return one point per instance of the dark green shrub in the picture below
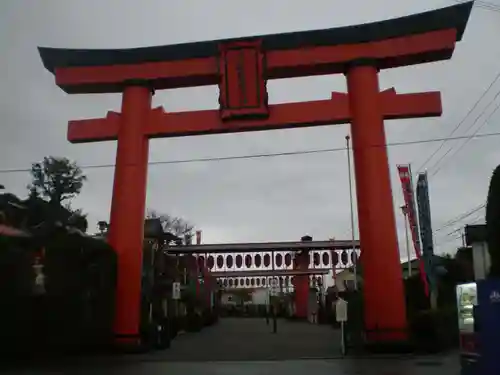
(434, 330)
(493, 222)
(75, 311)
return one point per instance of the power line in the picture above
(438, 164)
(450, 135)
(489, 6)
(485, 5)
(460, 217)
(440, 244)
(469, 222)
(453, 232)
(269, 155)
(482, 4)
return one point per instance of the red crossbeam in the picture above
(282, 116)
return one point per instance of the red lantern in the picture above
(316, 259)
(257, 260)
(239, 261)
(279, 260)
(210, 262)
(229, 261)
(344, 258)
(326, 259)
(267, 260)
(288, 259)
(220, 261)
(248, 260)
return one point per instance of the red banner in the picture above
(411, 214)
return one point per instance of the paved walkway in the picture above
(292, 367)
(251, 339)
(248, 346)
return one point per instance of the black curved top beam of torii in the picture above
(200, 58)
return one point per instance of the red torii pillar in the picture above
(301, 285)
(241, 68)
(128, 207)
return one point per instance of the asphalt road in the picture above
(248, 346)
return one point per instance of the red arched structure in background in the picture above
(241, 68)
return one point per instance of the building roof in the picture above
(263, 246)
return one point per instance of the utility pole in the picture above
(351, 200)
(404, 209)
(274, 287)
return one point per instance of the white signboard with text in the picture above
(341, 310)
(176, 290)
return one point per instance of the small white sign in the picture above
(176, 290)
(341, 310)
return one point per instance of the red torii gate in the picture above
(241, 67)
(210, 255)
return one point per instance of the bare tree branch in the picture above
(175, 225)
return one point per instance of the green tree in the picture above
(56, 179)
(77, 218)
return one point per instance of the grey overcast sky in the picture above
(269, 199)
